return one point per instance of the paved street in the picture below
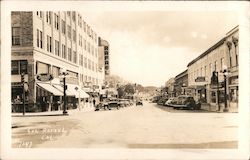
(148, 126)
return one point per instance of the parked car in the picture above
(169, 102)
(123, 102)
(109, 104)
(185, 102)
(162, 101)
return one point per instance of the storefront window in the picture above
(233, 95)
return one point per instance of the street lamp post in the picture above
(64, 73)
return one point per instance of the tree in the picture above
(121, 92)
(129, 89)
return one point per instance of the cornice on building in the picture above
(207, 51)
(182, 74)
(220, 42)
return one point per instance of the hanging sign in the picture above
(44, 77)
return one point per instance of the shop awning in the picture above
(68, 92)
(50, 89)
(79, 91)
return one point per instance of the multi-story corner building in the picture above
(181, 83)
(104, 60)
(223, 54)
(170, 87)
(46, 42)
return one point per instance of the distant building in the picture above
(223, 53)
(181, 83)
(170, 87)
(46, 42)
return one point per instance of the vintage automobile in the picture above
(169, 102)
(108, 104)
(162, 101)
(185, 102)
(138, 102)
(123, 102)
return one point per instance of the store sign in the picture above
(200, 79)
(217, 86)
(44, 77)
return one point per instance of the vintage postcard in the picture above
(124, 80)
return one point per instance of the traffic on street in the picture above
(147, 126)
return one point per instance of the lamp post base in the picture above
(225, 110)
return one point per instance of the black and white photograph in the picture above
(125, 80)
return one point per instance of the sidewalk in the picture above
(54, 113)
(214, 108)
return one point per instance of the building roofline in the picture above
(235, 28)
(181, 73)
(207, 51)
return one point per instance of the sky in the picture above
(150, 47)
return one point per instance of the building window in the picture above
(68, 13)
(63, 27)
(16, 36)
(69, 54)
(49, 44)
(74, 57)
(85, 62)
(215, 66)
(56, 21)
(74, 16)
(205, 70)
(69, 31)
(39, 14)
(80, 40)
(89, 64)
(42, 68)
(92, 67)
(14, 67)
(74, 35)
(106, 48)
(18, 67)
(92, 50)
(57, 50)
(85, 44)
(221, 63)
(63, 51)
(211, 68)
(230, 59)
(81, 60)
(39, 37)
(48, 17)
(84, 26)
(88, 47)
